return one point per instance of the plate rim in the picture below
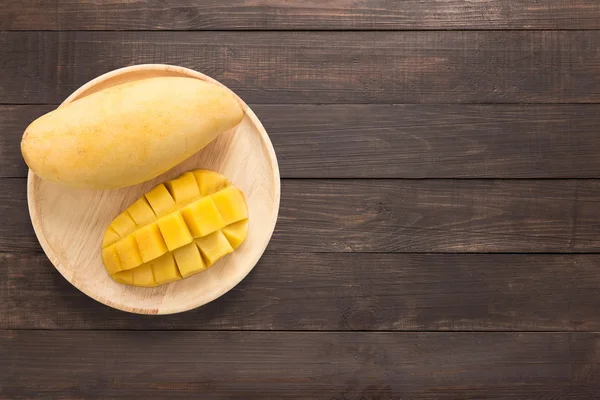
(267, 144)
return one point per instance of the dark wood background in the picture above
(439, 231)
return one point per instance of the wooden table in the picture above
(439, 232)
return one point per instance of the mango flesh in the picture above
(129, 133)
(176, 230)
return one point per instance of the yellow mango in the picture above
(141, 212)
(210, 182)
(161, 201)
(124, 277)
(189, 260)
(202, 217)
(150, 242)
(128, 133)
(230, 203)
(110, 236)
(164, 269)
(177, 229)
(143, 276)
(128, 252)
(123, 225)
(213, 247)
(174, 231)
(236, 233)
(112, 262)
(183, 189)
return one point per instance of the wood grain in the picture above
(403, 216)
(312, 14)
(402, 141)
(440, 216)
(288, 365)
(321, 67)
(349, 256)
(324, 292)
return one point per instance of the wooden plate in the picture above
(70, 223)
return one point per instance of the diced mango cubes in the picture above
(176, 230)
(112, 262)
(125, 277)
(189, 260)
(150, 242)
(202, 217)
(110, 236)
(236, 233)
(231, 205)
(143, 276)
(210, 182)
(141, 212)
(128, 252)
(123, 225)
(165, 270)
(213, 247)
(183, 189)
(161, 201)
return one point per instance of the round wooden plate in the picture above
(70, 222)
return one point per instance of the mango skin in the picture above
(129, 133)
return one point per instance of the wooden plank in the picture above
(294, 365)
(403, 141)
(403, 216)
(321, 67)
(312, 14)
(13, 121)
(365, 291)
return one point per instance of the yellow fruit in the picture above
(110, 237)
(111, 259)
(123, 224)
(128, 252)
(160, 201)
(125, 277)
(184, 188)
(230, 202)
(213, 247)
(177, 229)
(202, 217)
(141, 212)
(143, 276)
(165, 270)
(189, 260)
(174, 231)
(236, 233)
(129, 133)
(150, 242)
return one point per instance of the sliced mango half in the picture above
(176, 230)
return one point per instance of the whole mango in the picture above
(128, 133)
